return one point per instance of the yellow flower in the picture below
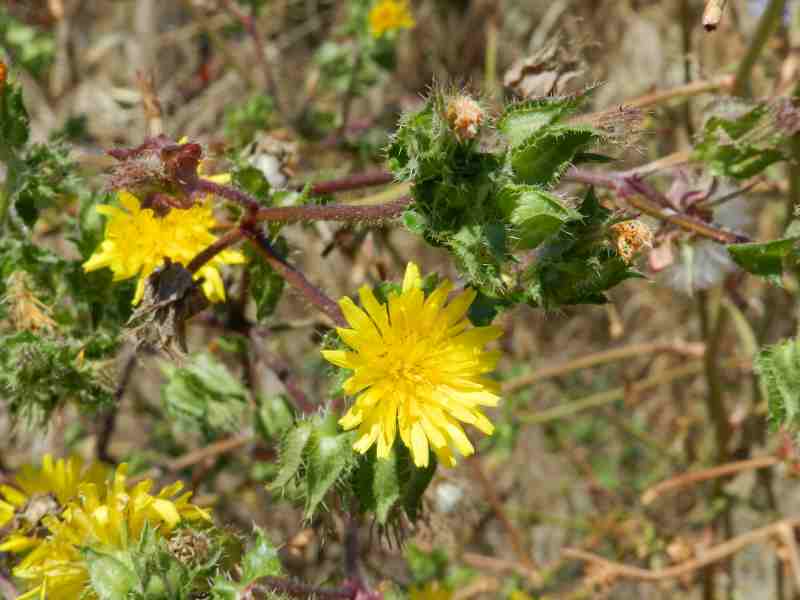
(419, 368)
(40, 491)
(431, 591)
(105, 520)
(137, 242)
(388, 15)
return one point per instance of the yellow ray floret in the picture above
(418, 369)
(389, 15)
(55, 483)
(103, 518)
(137, 242)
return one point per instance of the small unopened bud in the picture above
(630, 237)
(465, 116)
(3, 73)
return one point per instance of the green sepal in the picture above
(330, 456)
(110, 577)
(385, 486)
(291, 454)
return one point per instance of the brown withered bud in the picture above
(3, 73)
(171, 297)
(160, 172)
(190, 547)
(465, 116)
(629, 237)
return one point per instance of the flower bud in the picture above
(3, 73)
(465, 116)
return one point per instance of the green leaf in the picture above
(274, 417)
(329, 455)
(243, 121)
(766, 259)
(14, 122)
(253, 180)
(266, 286)
(534, 213)
(260, 560)
(521, 121)
(543, 158)
(224, 589)
(110, 578)
(32, 48)
(291, 455)
(204, 395)
(778, 368)
(741, 146)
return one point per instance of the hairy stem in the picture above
(334, 212)
(295, 278)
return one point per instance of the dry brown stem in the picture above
(710, 556)
(687, 479)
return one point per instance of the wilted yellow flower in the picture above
(431, 591)
(40, 491)
(137, 242)
(419, 368)
(103, 519)
(388, 15)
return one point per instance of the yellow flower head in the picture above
(105, 519)
(41, 490)
(137, 242)
(388, 15)
(431, 591)
(418, 367)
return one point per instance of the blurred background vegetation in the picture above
(600, 402)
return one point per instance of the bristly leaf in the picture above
(260, 560)
(542, 159)
(534, 213)
(521, 121)
(778, 368)
(577, 266)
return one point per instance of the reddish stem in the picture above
(352, 182)
(644, 197)
(335, 212)
(227, 240)
(294, 277)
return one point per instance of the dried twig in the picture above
(601, 358)
(710, 556)
(687, 479)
